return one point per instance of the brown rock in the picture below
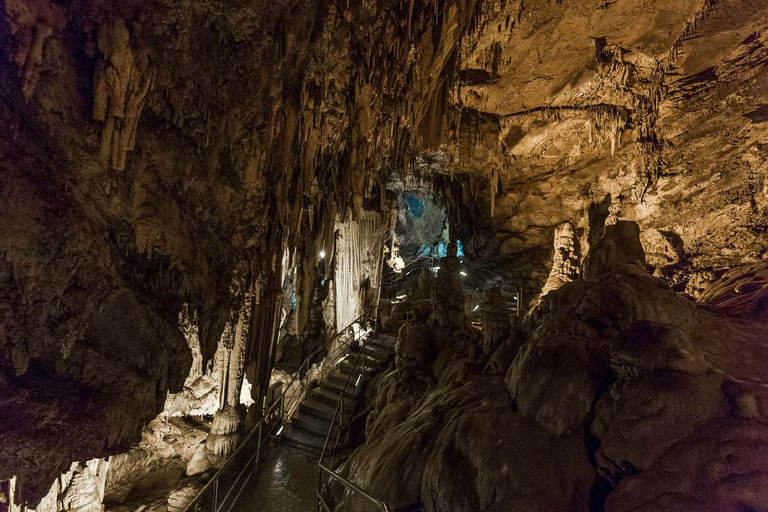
(639, 419)
(551, 383)
(620, 244)
(720, 467)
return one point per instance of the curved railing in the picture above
(380, 505)
(269, 426)
(392, 278)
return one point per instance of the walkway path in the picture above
(287, 482)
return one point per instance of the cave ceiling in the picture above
(658, 105)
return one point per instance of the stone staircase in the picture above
(309, 428)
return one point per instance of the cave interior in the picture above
(436, 255)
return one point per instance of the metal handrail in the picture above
(283, 418)
(419, 263)
(332, 474)
(508, 288)
(338, 414)
(340, 403)
(213, 482)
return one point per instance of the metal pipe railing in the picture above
(338, 415)
(349, 485)
(417, 264)
(282, 417)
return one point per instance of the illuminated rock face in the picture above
(566, 259)
(164, 156)
(574, 107)
(623, 392)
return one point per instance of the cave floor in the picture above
(287, 481)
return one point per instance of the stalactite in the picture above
(493, 186)
(265, 322)
(122, 82)
(32, 28)
(237, 356)
(225, 353)
(690, 27)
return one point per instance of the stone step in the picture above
(373, 359)
(340, 375)
(314, 407)
(314, 424)
(351, 391)
(305, 439)
(385, 341)
(356, 367)
(379, 353)
(331, 396)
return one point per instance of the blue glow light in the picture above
(415, 206)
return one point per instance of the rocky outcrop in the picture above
(623, 392)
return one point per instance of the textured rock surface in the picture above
(159, 158)
(623, 394)
(155, 155)
(645, 110)
(566, 259)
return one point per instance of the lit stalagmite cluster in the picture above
(196, 196)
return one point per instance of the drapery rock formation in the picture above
(624, 394)
(153, 154)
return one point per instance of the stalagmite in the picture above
(448, 294)
(497, 321)
(566, 259)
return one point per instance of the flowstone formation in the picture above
(623, 394)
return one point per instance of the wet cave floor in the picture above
(286, 482)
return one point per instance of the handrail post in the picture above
(258, 449)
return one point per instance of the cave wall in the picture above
(160, 155)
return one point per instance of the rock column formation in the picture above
(566, 259)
